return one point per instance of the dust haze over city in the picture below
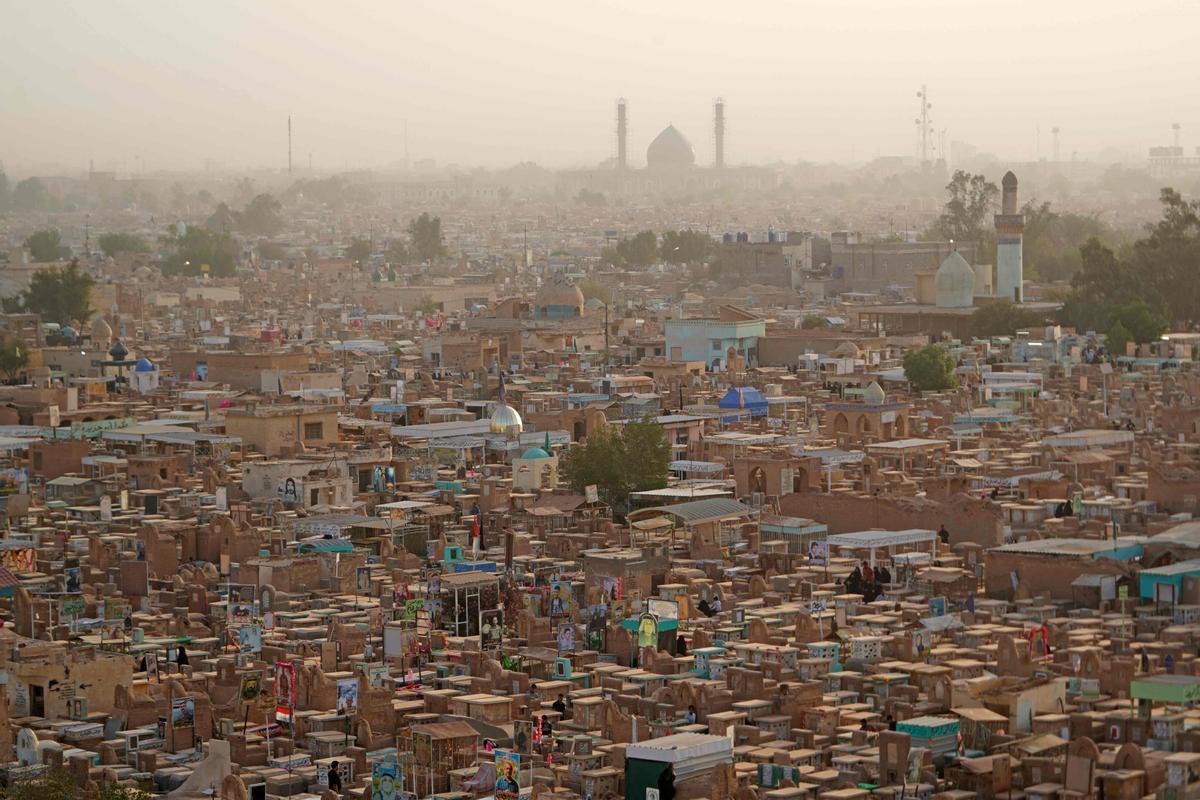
(660, 400)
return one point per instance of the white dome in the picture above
(874, 395)
(505, 419)
(954, 283)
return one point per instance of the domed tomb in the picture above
(954, 283)
(670, 150)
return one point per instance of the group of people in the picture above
(710, 609)
(868, 581)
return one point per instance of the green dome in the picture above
(535, 452)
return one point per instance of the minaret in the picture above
(1010, 231)
(622, 131)
(719, 133)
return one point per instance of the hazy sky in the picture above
(485, 82)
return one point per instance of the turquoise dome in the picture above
(535, 452)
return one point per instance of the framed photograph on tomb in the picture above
(523, 736)
(347, 696)
(252, 684)
(183, 712)
(491, 628)
(508, 775)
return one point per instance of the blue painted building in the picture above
(558, 301)
(709, 339)
(1169, 578)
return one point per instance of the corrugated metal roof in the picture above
(698, 511)
(1070, 547)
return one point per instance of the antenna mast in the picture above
(924, 125)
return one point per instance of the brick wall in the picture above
(966, 519)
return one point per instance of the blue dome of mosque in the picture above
(535, 452)
(144, 365)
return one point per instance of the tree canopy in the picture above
(965, 214)
(1052, 240)
(685, 247)
(195, 247)
(359, 250)
(1117, 338)
(930, 369)
(31, 195)
(397, 251)
(1003, 318)
(619, 460)
(261, 217)
(44, 245)
(637, 251)
(426, 234)
(1157, 271)
(113, 244)
(222, 220)
(59, 294)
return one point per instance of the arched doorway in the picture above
(799, 480)
(758, 481)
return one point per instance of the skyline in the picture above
(139, 88)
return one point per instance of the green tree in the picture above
(1083, 312)
(1003, 318)
(426, 234)
(930, 369)
(31, 195)
(195, 247)
(261, 217)
(5, 193)
(1102, 276)
(1143, 323)
(60, 294)
(1159, 269)
(965, 213)
(397, 252)
(637, 251)
(44, 245)
(619, 460)
(222, 220)
(358, 251)
(685, 247)
(1052, 240)
(647, 454)
(113, 244)
(1166, 262)
(1117, 338)
(14, 356)
(812, 321)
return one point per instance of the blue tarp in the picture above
(746, 398)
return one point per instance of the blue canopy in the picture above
(745, 398)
